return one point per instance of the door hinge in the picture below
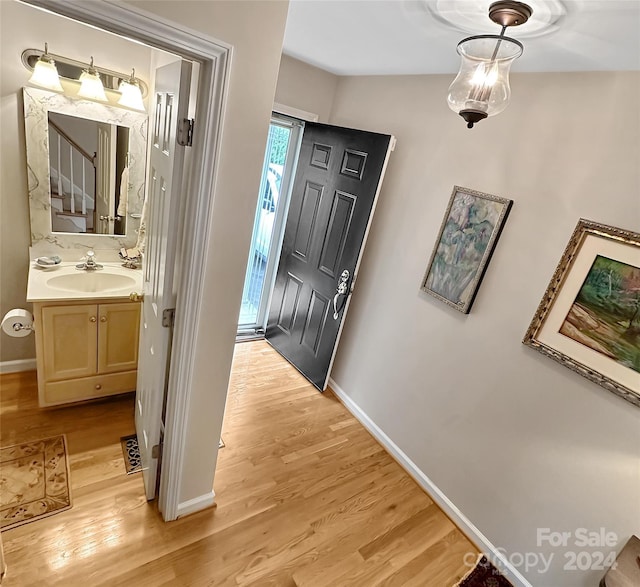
(168, 316)
(155, 451)
(185, 132)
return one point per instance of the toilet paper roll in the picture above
(17, 323)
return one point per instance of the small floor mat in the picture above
(484, 574)
(131, 453)
(34, 481)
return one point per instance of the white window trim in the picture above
(295, 112)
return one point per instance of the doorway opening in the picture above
(278, 169)
(195, 212)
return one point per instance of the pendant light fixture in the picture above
(131, 95)
(90, 85)
(481, 88)
(45, 73)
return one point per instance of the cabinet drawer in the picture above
(60, 392)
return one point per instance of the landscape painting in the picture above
(605, 315)
(600, 266)
(471, 227)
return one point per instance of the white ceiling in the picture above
(391, 37)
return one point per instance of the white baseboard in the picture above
(445, 504)
(16, 366)
(196, 504)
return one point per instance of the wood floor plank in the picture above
(305, 498)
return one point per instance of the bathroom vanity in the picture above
(85, 323)
(87, 330)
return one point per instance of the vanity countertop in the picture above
(64, 282)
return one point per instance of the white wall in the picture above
(306, 87)
(255, 29)
(24, 27)
(515, 440)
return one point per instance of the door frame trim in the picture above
(214, 58)
(294, 112)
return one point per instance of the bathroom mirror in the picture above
(117, 195)
(88, 172)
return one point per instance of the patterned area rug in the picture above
(484, 574)
(131, 453)
(34, 481)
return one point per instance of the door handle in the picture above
(341, 290)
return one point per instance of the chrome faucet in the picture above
(89, 263)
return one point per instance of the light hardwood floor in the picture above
(306, 497)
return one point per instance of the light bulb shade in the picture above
(131, 95)
(481, 88)
(91, 87)
(45, 75)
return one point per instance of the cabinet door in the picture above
(70, 336)
(118, 337)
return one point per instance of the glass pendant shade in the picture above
(90, 85)
(481, 88)
(45, 73)
(131, 95)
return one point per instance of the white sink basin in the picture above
(98, 281)
(65, 282)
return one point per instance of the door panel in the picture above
(289, 304)
(316, 320)
(70, 335)
(336, 233)
(307, 219)
(105, 179)
(118, 336)
(163, 202)
(334, 192)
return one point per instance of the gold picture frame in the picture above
(589, 317)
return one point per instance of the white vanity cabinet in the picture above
(86, 350)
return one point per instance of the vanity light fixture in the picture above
(45, 74)
(131, 95)
(481, 88)
(90, 85)
(70, 70)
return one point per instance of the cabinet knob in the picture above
(92, 319)
(98, 386)
(103, 318)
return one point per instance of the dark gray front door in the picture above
(339, 171)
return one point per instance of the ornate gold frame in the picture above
(560, 278)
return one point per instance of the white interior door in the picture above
(105, 179)
(170, 102)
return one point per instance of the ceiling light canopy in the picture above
(467, 17)
(481, 88)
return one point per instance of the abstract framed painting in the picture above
(468, 235)
(589, 317)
